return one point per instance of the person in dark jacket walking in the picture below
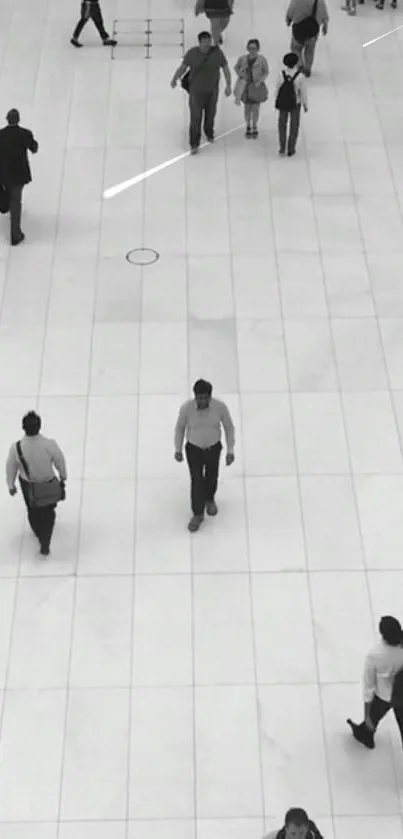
(35, 459)
(90, 10)
(15, 170)
(297, 825)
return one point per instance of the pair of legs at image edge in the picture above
(41, 520)
(92, 11)
(288, 122)
(378, 710)
(203, 467)
(203, 109)
(217, 25)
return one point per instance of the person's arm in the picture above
(183, 67)
(12, 465)
(227, 76)
(33, 145)
(59, 461)
(324, 18)
(290, 13)
(303, 93)
(229, 429)
(369, 684)
(180, 428)
(238, 67)
(265, 69)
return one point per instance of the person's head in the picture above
(204, 39)
(31, 424)
(202, 391)
(253, 47)
(391, 631)
(290, 60)
(296, 823)
(13, 117)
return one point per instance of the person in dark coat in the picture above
(15, 170)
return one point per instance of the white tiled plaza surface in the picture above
(157, 686)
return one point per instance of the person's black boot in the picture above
(362, 734)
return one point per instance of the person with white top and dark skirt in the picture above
(200, 419)
(383, 682)
(37, 459)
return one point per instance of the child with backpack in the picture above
(291, 95)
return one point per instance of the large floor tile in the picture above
(96, 755)
(275, 525)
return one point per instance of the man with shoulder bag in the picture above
(199, 73)
(307, 17)
(37, 459)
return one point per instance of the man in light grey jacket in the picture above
(298, 11)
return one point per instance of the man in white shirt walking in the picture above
(201, 419)
(35, 459)
(382, 664)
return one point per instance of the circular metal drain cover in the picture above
(142, 256)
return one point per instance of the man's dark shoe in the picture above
(210, 138)
(194, 149)
(195, 523)
(110, 42)
(75, 42)
(291, 152)
(18, 239)
(44, 551)
(362, 734)
(211, 508)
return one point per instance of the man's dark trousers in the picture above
(203, 467)
(379, 708)
(15, 196)
(199, 104)
(91, 11)
(41, 519)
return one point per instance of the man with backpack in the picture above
(307, 17)
(383, 682)
(290, 95)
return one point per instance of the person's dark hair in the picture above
(31, 424)
(253, 41)
(202, 388)
(202, 36)
(13, 117)
(290, 60)
(296, 816)
(391, 631)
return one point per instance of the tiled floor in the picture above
(154, 685)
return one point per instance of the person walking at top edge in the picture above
(219, 14)
(306, 17)
(35, 459)
(91, 10)
(383, 682)
(200, 419)
(15, 171)
(200, 76)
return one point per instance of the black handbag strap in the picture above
(22, 459)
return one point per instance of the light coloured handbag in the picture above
(239, 88)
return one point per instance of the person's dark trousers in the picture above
(202, 104)
(203, 467)
(41, 519)
(294, 117)
(378, 710)
(91, 11)
(15, 195)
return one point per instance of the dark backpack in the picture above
(286, 99)
(397, 691)
(308, 27)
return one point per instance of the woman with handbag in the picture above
(35, 459)
(252, 70)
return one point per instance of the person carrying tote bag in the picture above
(252, 70)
